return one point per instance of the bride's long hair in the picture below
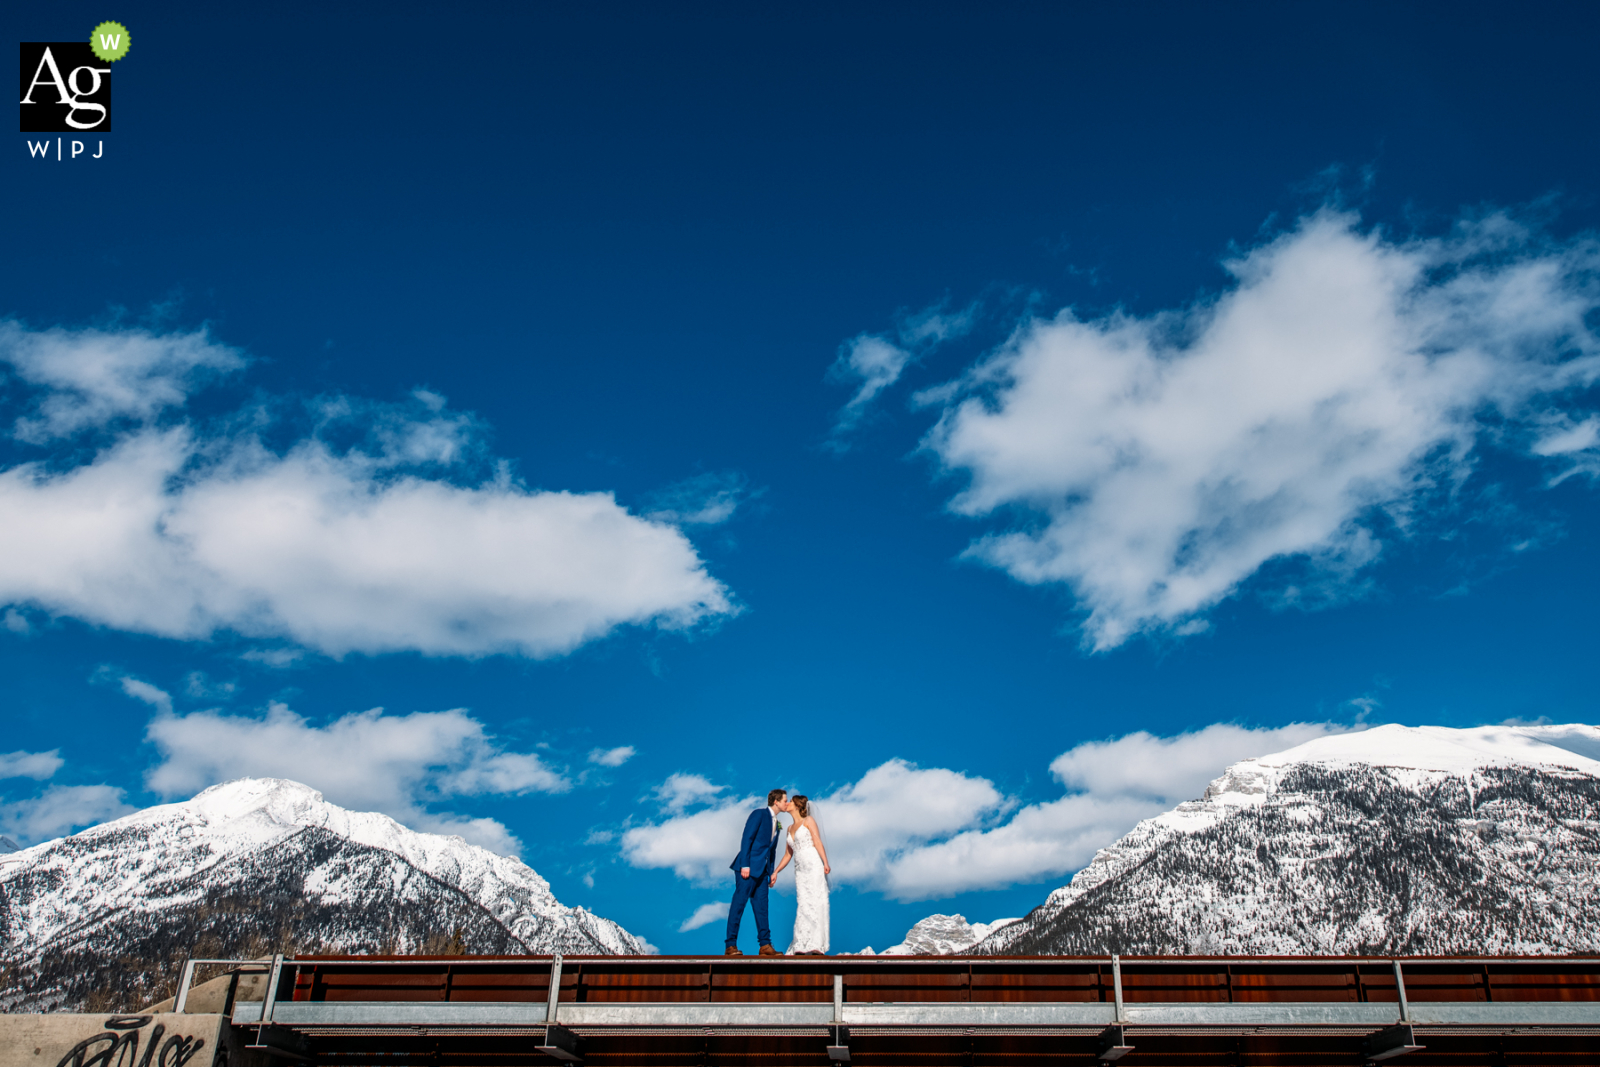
(802, 806)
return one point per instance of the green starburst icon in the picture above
(110, 41)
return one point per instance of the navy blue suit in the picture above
(755, 852)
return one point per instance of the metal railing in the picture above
(1086, 997)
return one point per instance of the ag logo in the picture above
(66, 88)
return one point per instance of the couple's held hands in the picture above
(772, 882)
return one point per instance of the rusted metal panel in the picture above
(1072, 983)
(757, 984)
(921, 982)
(606, 983)
(331, 982)
(800, 1052)
(1375, 982)
(1436, 981)
(908, 1050)
(1292, 983)
(1508, 981)
(1142, 982)
(934, 980)
(498, 984)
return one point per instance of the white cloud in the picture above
(876, 363)
(680, 791)
(1172, 769)
(704, 915)
(612, 757)
(159, 699)
(504, 772)
(361, 546)
(60, 810)
(1576, 444)
(366, 761)
(1114, 784)
(894, 806)
(918, 833)
(35, 765)
(202, 687)
(873, 363)
(1039, 842)
(1569, 437)
(1156, 463)
(705, 500)
(92, 376)
(696, 845)
(274, 657)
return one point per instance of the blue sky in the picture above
(989, 421)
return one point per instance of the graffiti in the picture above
(118, 1046)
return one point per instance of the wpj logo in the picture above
(66, 87)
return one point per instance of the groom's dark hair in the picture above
(775, 796)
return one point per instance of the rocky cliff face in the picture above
(103, 920)
(1395, 840)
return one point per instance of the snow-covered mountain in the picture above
(940, 935)
(1392, 840)
(103, 919)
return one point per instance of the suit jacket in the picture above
(755, 844)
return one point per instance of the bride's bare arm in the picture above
(816, 839)
(788, 850)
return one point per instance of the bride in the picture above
(810, 881)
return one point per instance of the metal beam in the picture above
(1114, 1044)
(1392, 1042)
(282, 1042)
(269, 1002)
(182, 999)
(561, 1043)
(1400, 988)
(1088, 963)
(839, 1051)
(1506, 1015)
(553, 998)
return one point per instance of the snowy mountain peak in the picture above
(1429, 752)
(943, 935)
(1393, 839)
(277, 798)
(1441, 748)
(260, 810)
(260, 865)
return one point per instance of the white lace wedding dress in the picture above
(811, 895)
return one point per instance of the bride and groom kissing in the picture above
(755, 874)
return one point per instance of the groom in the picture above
(752, 868)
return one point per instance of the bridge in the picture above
(696, 1011)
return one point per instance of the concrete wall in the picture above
(218, 995)
(109, 1040)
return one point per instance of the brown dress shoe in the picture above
(768, 950)
(733, 950)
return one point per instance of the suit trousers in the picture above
(753, 890)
